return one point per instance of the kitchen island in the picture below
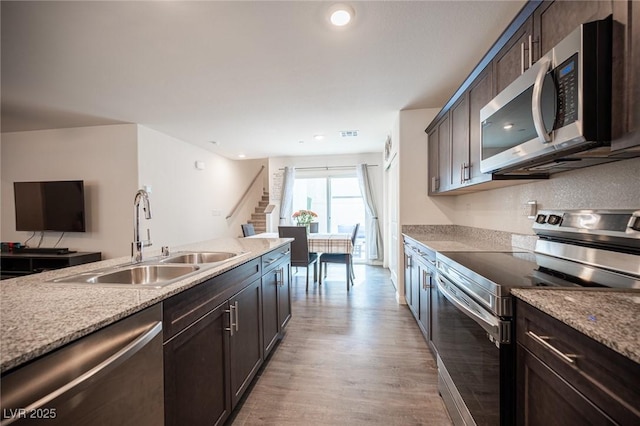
(38, 316)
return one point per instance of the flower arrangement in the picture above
(304, 217)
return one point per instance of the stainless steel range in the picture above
(473, 325)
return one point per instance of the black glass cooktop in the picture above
(506, 269)
(500, 271)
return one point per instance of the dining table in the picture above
(338, 242)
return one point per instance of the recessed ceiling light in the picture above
(340, 15)
(241, 156)
(507, 126)
(318, 137)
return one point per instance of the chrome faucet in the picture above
(137, 245)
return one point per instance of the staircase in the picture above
(258, 218)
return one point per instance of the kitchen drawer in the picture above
(185, 308)
(271, 260)
(607, 379)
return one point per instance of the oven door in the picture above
(476, 371)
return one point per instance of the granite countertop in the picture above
(37, 316)
(610, 317)
(447, 242)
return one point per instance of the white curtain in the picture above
(373, 235)
(286, 200)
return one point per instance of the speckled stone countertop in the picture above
(463, 238)
(610, 317)
(616, 312)
(37, 316)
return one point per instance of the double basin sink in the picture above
(151, 274)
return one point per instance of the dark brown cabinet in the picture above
(565, 377)
(196, 365)
(513, 59)
(626, 78)
(440, 157)
(459, 142)
(276, 296)
(454, 137)
(419, 272)
(412, 276)
(245, 342)
(554, 20)
(480, 94)
(212, 345)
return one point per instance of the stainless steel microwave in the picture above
(560, 106)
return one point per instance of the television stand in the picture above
(43, 250)
(20, 264)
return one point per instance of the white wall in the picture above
(416, 208)
(607, 186)
(408, 175)
(188, 204)
(105, 157)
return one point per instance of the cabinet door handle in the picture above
(530, 51)
(521, 58)
(237, 319)
(231, 316)
(568, 358)
(279, 277)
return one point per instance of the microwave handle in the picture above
(536, 100)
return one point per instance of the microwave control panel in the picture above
(566, 77)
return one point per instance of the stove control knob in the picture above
(541, 218)
(554, 220)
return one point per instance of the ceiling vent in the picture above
(349, 133)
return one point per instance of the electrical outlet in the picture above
(530, 209)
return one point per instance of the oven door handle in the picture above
(498, 330)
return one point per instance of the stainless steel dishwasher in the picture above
(113, 376)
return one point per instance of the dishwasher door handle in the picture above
(102, 368)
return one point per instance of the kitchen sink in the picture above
(195, 258)
(133, 275)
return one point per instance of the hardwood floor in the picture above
(347, 359)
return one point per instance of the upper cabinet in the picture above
(514, 58)
(554, 20)
(455, 133)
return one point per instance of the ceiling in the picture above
(259, 78)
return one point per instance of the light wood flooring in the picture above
(351, 358)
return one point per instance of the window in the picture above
(338, 203)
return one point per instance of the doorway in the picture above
(338, 203)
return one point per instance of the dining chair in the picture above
(248, 229)
(300, 255)
(346, 258)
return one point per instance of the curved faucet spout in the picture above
(137, 245)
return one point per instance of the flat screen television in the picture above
(50, 206)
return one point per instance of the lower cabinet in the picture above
(276, 296)
(418, 275)
(245, 339)
(214, 340)
(565, 377)
(196, 367)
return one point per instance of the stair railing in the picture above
(235, 208)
